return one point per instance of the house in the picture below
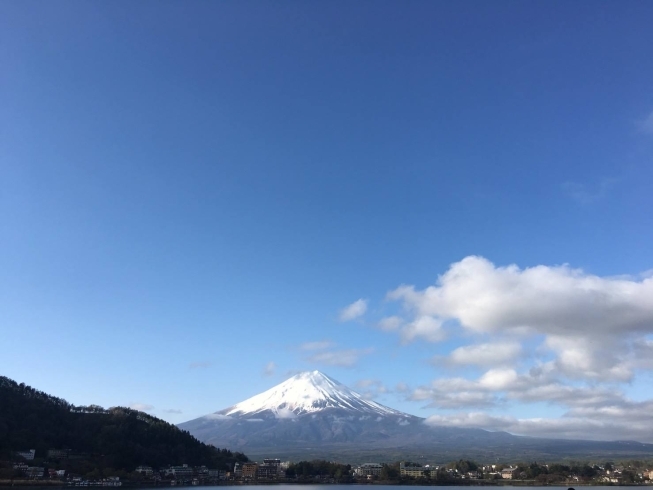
(249, 470)
(183, 471)
(611, 479)
(216, 474)
(411, 469)
(52, 473)
(35, 472)
(28, 455)
(509, 473)
(266, 471)
(369, 469)
(57, 453)
(145, 470)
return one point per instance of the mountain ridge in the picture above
(313, 415)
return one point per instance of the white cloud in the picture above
(464, 399)
(217, 416)
(390, 323)
(542, 335)
(319, 345)
(579, 357)
(588, 322)
(269, 369)
(172, 410)
(504, 385)
(498, 379)
(631, 424)
(142, 407)
(353, 311)
(285, 414)
(342, 358)
(488, 354)
(542, 299)
(425, 326)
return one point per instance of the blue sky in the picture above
(192, 194)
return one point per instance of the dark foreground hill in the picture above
(312, 416)
(118, 438)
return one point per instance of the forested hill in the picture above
(118, 437)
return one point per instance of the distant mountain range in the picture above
(314, 416)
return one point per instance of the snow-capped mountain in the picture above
(308, 392)
(314, 416)
(308, 409)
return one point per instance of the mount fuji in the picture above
(305, 393)
(313, 416)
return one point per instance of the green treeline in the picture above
(118, 438)
(318, 468)
(457, 472)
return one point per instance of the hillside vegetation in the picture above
(118, 437)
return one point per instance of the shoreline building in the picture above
(369, 470)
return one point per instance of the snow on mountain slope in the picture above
(308, 392)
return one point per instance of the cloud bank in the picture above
(545, 334)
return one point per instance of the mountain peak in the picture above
(307, 392)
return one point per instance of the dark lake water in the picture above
(398, 487)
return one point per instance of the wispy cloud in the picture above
(390, 323)
(342, 358)
(217, 416)
(142, 407)
(200, 365)
(353, 311)
(371, 388)
(586, 194)
(402, 387)
(172, 410)
(646, 124)
(319, 345)
(269, 369)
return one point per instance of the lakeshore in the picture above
(391, 485)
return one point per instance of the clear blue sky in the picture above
(191, 191)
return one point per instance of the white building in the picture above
(183, 471)
(28, 455)
(369, 469)
(35, 472)
(412, 469)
